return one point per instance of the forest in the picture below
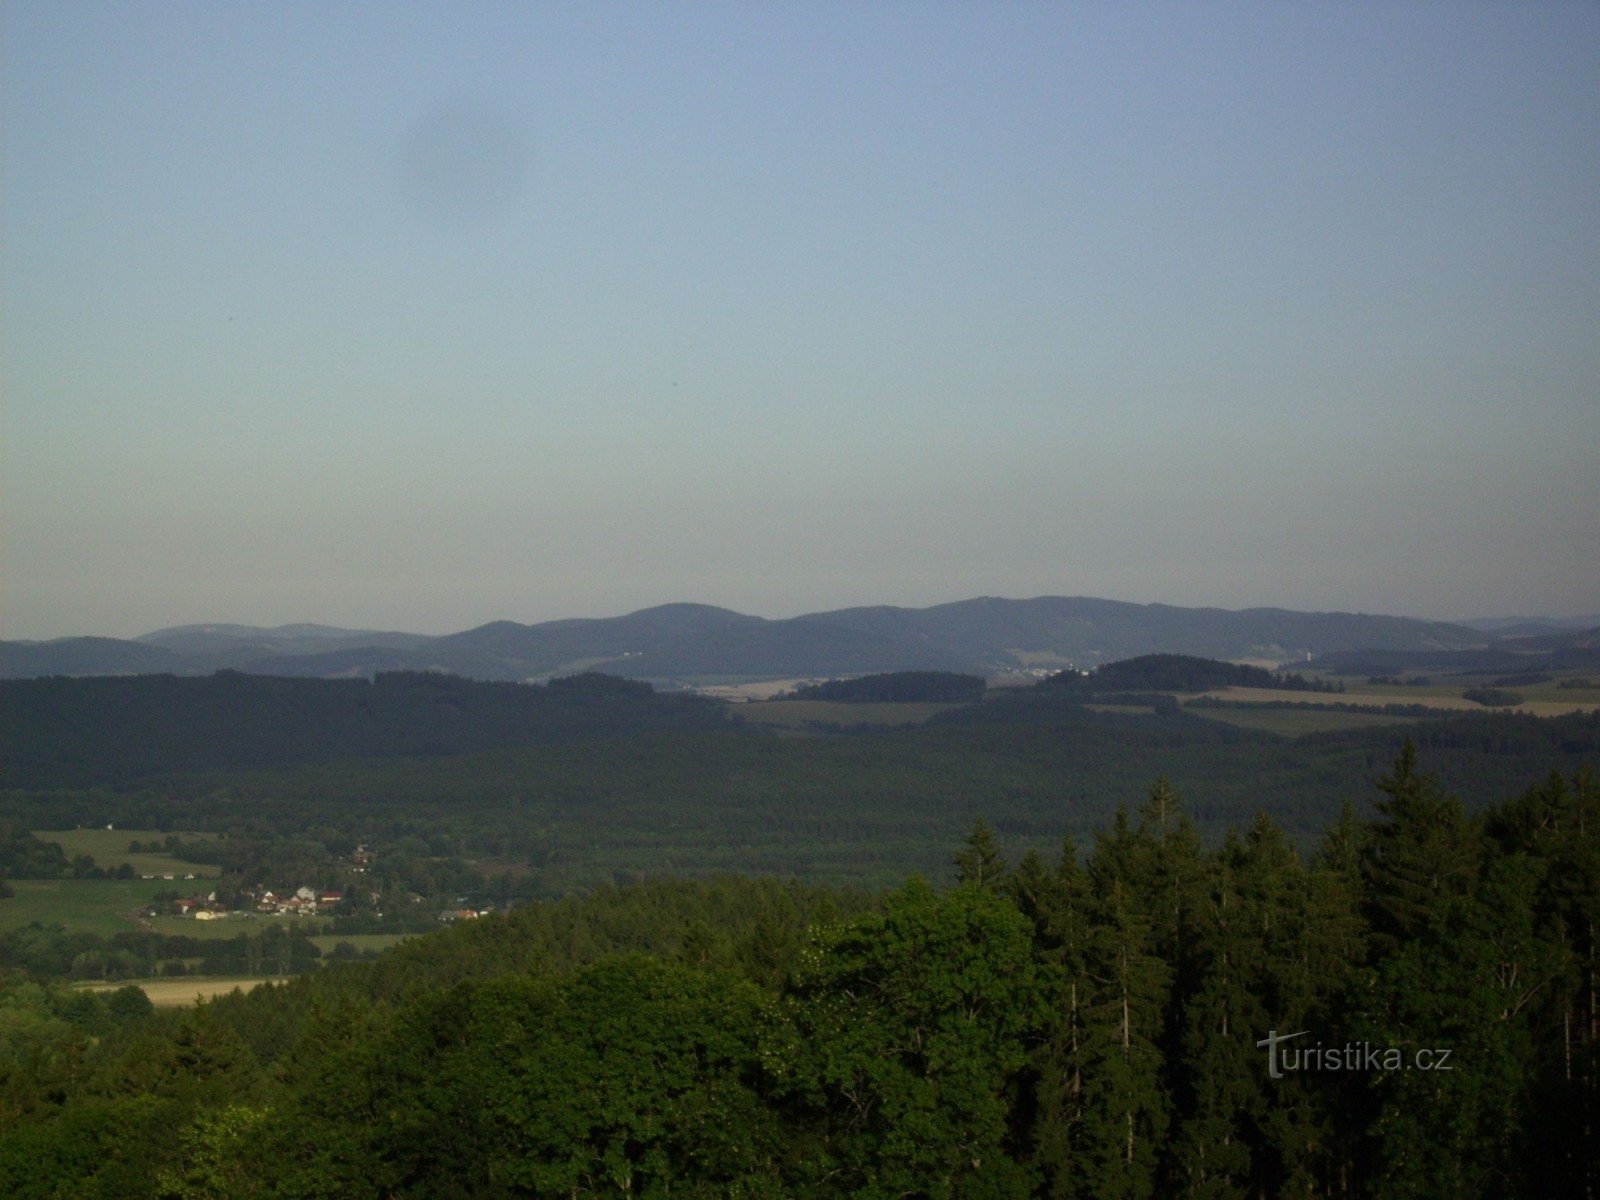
(1088, 1023)
(531, 792)
(1071, 940)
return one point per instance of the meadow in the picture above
(102, 906)
(227, 927)
(109, 850)
(363, 942)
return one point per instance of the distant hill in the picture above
(696, 642)
(252, 641)
(87, 656)
(1563, 651)
(1531, 626)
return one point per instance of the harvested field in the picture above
(183, 991)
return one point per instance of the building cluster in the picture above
(303, 902)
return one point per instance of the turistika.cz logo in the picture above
(1352, 1056)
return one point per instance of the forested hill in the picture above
(62, 732)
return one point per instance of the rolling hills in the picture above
(676, 643)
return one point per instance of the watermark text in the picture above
(1351, 1056)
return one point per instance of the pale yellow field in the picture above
(180, 992)
(1537, 708)
(738, 693)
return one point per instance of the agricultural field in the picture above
(361, 941)
(1445, 699)
(184, 991)
(1584, 690)
(102, 906)
(228, 927)
(109, 850)
(736, 691)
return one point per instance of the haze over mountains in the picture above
(700, 642)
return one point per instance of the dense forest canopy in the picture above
(596, 779)
(697, 956)
(1084, 1024)
(61, 732)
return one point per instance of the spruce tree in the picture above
(1125, 1107)
(1421, 853)
(1059, 903)
(979, 863)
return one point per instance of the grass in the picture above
(228, 927)
(109, 850)
(361, 941)
(87, 905)
(1588, 696)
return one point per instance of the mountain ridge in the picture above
(684, 641)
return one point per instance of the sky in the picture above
(416, 316)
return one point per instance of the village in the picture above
(303, 902)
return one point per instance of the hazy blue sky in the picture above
(422, 315)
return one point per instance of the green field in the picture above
(361, 941)
(1292, 722)
(109, 849)
(1554, 691)
(228, 927)
(91, 905)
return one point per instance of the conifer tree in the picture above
(1421, 853)
(1059, 904)
(1467, 983)
(1124, 1104)
(1219, 1074)
(1558, 824)
(979, 863)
